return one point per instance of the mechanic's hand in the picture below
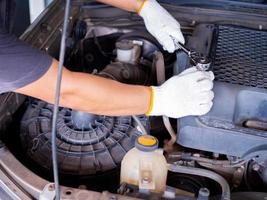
(161, 24)
(189, 93)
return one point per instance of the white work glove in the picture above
(189, 93)
(161, 25)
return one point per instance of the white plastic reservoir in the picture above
(145, 166)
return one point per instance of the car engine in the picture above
(210, 156)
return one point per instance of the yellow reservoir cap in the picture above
(146, 143)
(147, 140)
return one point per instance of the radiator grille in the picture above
(241, 56)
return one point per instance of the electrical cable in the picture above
(57, 97)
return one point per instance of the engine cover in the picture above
(237, 123)
(223, 130)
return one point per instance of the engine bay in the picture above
(209, 156)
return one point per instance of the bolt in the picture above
(203, 194)
(51, 187)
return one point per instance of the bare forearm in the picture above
(102, 96)
(129, 5)
(90, 93)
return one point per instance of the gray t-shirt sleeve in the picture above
(20, 64)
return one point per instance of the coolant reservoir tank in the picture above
(145, 166)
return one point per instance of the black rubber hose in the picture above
(57, 97)
(205, 173)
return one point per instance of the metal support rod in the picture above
(57, 98)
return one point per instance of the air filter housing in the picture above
(86, 143)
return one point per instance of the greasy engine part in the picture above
(231, 170)
(125, 73)
(240, 96)
(253, 175)
(86, 143)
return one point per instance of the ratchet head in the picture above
(198, 60)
